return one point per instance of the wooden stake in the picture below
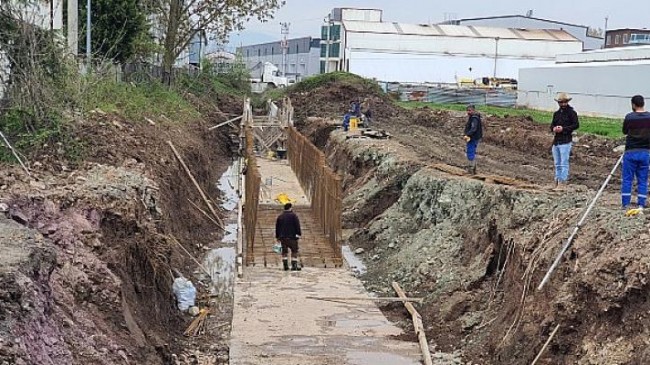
(226, 122)
(190, 255)
(196, 184)
(545, 345)
(16, 155)
(378, 299)
(417, 324)
(206, 214)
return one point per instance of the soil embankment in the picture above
(477, 247)
(87, 251)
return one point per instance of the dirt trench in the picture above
(477, 251)
(87, 258)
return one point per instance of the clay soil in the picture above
(88, 256)
(499, 239)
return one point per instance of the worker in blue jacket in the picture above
(636, 159)
(473, 134)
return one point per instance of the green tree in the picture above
(119, 28)
(179, 21)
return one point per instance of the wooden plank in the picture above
(417, 324)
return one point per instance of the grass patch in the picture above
(135, 102)
(606, 127)
(339, 77)
(29, 135)
(320, 80)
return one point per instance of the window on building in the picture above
(335, 32)
(248, 53)
(322, 67)
(609, 40)
(259, 51)
(272, 51)
(297, 47)
(626, 38)
(265, 50)
(335, 49)
(617, 40)
(323, 50)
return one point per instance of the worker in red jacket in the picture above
(287, 231)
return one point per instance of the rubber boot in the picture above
(294, 265)
(473, 167)
(285, 263)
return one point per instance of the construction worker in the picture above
(636, 159)
(565, 121)
(472, 136)
(287, 231)
(366, 111)
(355, 108)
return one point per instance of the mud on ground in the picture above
(87, 262)
(477, 250)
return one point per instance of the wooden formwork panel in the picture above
(315, 248)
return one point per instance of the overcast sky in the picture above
(306, 16)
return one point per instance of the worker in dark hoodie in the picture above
(565, 122)
(287, 231)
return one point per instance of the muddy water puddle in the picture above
(220, 262)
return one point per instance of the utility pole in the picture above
(88, 38)
(285, 46)
(605, 35)
(73, 27)
(496, 55)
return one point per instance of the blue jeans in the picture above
(635, 163)
(561, 154)
(471, 149)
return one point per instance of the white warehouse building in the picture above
(359, 41)
(601, 82)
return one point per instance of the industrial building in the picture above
(361, 42)
(302, 57)
(591, 38)
(627, 37)
(601, 82)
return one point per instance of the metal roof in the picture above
(521, 16)
(446, 30)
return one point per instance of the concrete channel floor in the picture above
(273, 321)
(275, 324)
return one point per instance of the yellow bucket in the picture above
(354, 124)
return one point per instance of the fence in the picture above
(441, 94)
(252, 186)
(320, 183)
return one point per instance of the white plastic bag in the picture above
(185, 293)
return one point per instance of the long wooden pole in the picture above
(417, 324)
(190, 255)
(546, 345)
(226, 122)
(15, 155)
(370, 299)
(196, 184)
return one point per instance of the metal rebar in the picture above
(569, 241)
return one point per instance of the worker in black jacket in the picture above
(565, 121)
(473, 134)
(287, 231)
